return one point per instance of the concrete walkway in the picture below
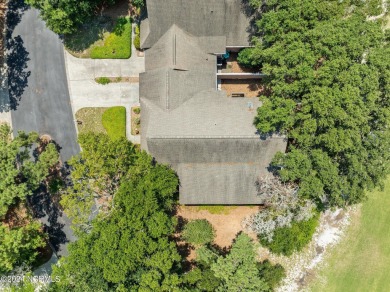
(85, 92)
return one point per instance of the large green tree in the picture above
(131, 246)
(328, 71)
(20, 172)
(19, 245)
(64, 16)
(96, 174)
(237, 270)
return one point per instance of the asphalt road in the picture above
(44, 105)
(41, 103)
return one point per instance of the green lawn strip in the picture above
(114, 121)
(361, 262)
(117, 44)
(217, 209)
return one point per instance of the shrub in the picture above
(137, 121)
(137, 42)
(245, 58)
(271, 274)
(286, 240)
(114, 121)
(136, 110)
(103, 80)
(198, 232)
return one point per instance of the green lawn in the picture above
(110, 121)
(361, 262)
(102, 38)
(114, 121)
(117, 44)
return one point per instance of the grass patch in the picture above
(110, 121)
(114, 121)
(107, 80)
(102, 38)
(89, 119)
(103, 80)
(361, 262)
(216, 209)
(79, 44)
(117, 44)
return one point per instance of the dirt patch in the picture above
(226, 225)
(232, 66)
(135, 120)
(17, 216)
(250, 87)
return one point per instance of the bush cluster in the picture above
(287, 240)
(198, 232)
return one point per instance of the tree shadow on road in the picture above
(16, 59)
(45, 206)
(48, 212)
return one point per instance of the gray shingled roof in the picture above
(207, 137)
(222, 183)
(177, 49)
(207, 113)
(201, 18)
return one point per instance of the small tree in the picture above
(199, 232)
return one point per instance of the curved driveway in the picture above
(44, 105)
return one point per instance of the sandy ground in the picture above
(251, 87)
(226, 225)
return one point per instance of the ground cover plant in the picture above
(116, 44)
(216, 209)
(361, 261)
(135, 120)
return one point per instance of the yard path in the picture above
(85, 92)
